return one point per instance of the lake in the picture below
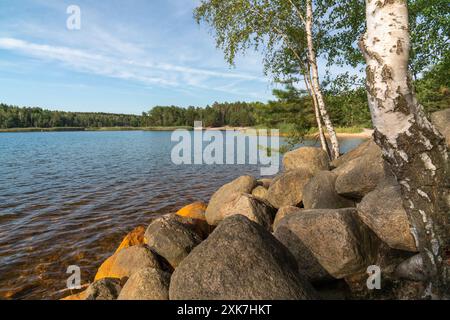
(68, 198)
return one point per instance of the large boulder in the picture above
(308, 265)
(320, 193)
(328, 242)
(127, 261)
(441, 121)
(283, 212)
(225, 194)
(240, 260)
(364, 148)
(247, 205)
(146, 284)
(306, 158)
(104, 289)
(171, 239)
(193, 216)
(359, 176)
(134, 238)
(382, 210)
(287, 188)
(194, 210)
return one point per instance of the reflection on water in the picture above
(68, 198)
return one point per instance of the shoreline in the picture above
(364, 134)
(83, 129)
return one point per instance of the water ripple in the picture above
(69, 198)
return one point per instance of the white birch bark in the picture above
(316, 84)
(414, 149)
(323, 140)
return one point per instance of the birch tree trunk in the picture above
(323, 140)
(315, 82)
(415, 150)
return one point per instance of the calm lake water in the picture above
(68, 198)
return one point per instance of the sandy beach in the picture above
(365, 134)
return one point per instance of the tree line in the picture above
(292, 108)
(17, 117)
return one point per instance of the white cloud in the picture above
(166, 49)
(122, 68)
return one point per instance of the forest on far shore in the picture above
(347, 107)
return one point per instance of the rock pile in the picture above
(316, 224)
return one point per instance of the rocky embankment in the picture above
(309, 233)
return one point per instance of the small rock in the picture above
(240, 260)
(306, 158)
(287, 188)
(171, 239)
(328, 241)
(227, 193)
(264, 182)
(146, 284)
(320, 193)
(382, 210)
(260, 193)
(412, 269)
(126, 262)
(104, 289)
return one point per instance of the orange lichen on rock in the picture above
(125, 262)
(193, 215)
(105, 269)
(134, 238)
(195, 210)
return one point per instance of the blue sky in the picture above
(127, 57)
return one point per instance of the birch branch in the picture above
(297, 10)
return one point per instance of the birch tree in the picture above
(312, 62)
(414, 149)
(276, 26)
(287, 69)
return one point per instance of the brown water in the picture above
(68, 198)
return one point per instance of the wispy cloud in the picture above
(153, 48)
(99, 64)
